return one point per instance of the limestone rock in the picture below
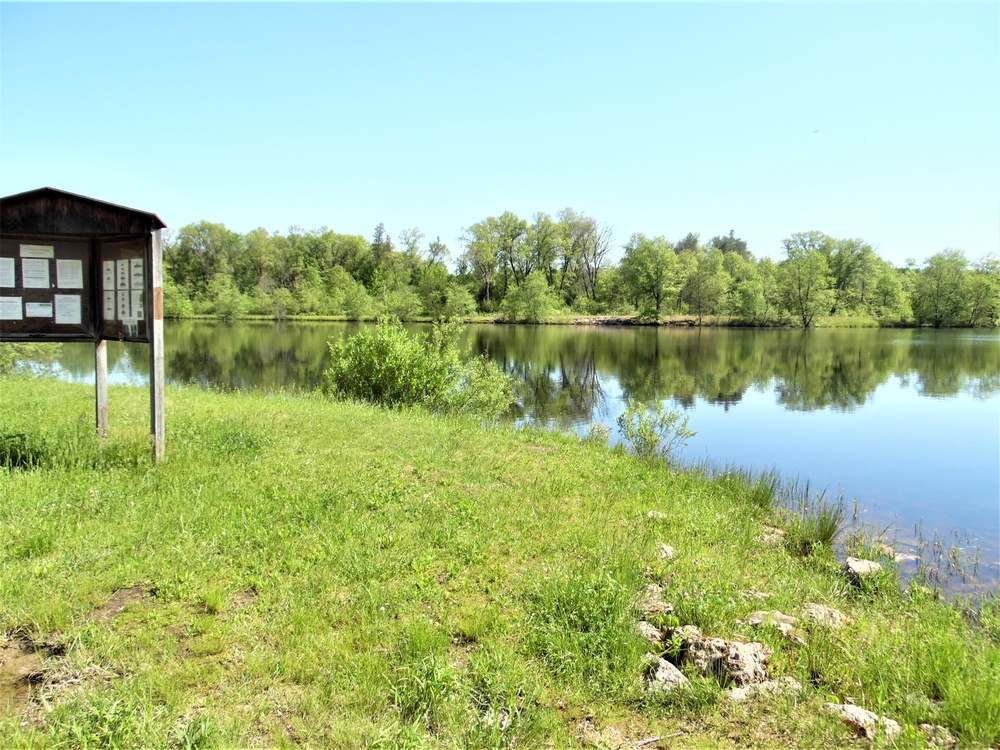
(863, 722)
(773, 536)
(651, 602)
(608, 737)
(780, 686)
(784, 623)
(894, 554)
(855, 568)
(731, 661)
(650, 632)
(656, 515)
(664, 677)
(686, 634)
(938, 736)
(667, 552)
(820, 614)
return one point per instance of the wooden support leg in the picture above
(101, 381)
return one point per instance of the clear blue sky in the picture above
(879, 121)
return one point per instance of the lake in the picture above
(906, 422)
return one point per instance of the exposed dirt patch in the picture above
(539, 449)
(243, 599)
(117, 603)
(20, 668)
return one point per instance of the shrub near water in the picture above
(390, 367)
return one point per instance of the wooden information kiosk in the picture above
(78, 269)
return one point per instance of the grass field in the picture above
(302, 572)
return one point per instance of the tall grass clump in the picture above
(390, 367)
(583, 628)
(757, 490)
(654, 430)
(815, 523)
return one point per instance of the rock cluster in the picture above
(743, 666)
(865, 723)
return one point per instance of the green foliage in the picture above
(528, 270)
(940, 295)
(655, 430)
(530, 301)
(651, 275)
(460, 304)
(390, 367)
(805, 277)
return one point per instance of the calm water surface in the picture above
(906, 422)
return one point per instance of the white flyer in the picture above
(69, 273)
(38, 251)
(7, 271)
(34, 273)
(124, 310)
(130, 327)
(67, 309)
(109, 305)
(10, 308)
(122, 266)
(38, 309)
(109, 275)
(135, 272)
(137, 311)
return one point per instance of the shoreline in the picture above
(674, 321)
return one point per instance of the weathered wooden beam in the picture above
(154, 312)
(101, 386)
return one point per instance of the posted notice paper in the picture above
(7, 271)
(38, 251)
(67, 309)
(34, 273)
(135, 273)
(109, 305)
(38, 309)
(109, 275)
(10, 308)
(69, 273)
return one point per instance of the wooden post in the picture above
(101, 386)
(157, 421)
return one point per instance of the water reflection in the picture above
(567, 369)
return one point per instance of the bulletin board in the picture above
(68, 289)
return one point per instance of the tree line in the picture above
(524, 270)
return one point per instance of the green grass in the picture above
(330, 574)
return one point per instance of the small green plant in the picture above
(598, 433)
(214, 599)
(390, 367)
(654, 431)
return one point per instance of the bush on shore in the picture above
(390, 367)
